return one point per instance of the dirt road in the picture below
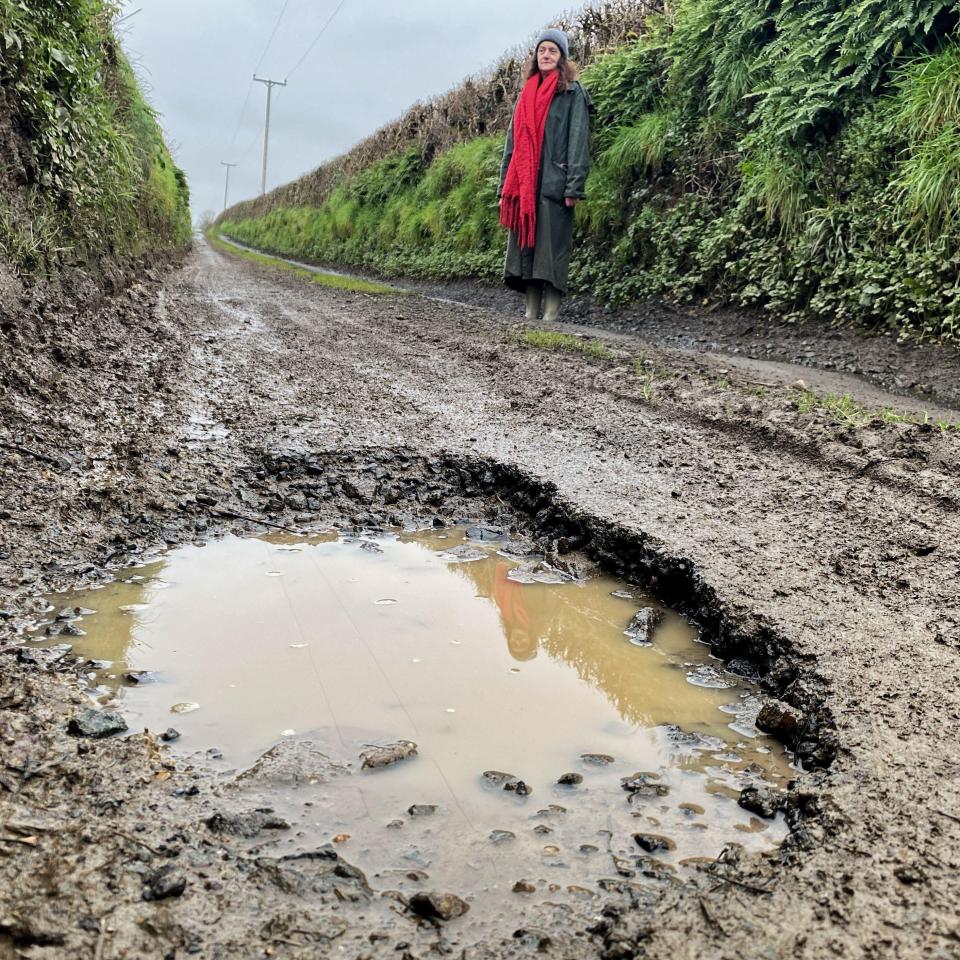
(820, 544)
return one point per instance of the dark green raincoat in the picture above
(564, 165)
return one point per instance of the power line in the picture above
(246, 99)
(316, 39)
(276, 27)
(243, 110)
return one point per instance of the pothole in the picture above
(571, 735)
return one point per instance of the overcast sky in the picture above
(377, 57)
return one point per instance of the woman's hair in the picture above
(567, 70)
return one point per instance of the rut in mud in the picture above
(821, 556)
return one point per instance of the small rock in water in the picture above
(185, 707)
(706, 675)
(502, 836)
(96, 724)
(763, 801)
(524, 886)
(485, 533)
(640, 629)
(506, 781)
(438, 906)
(395, 825)
(247, 825)
(139, 676)
(570, 779)
(653, 843)
(168, 881)
(421, 810)
(644, 784)
(382, 756)
(537, 940)
(780, 720)
(464, 553)
(169, 735)
(537, 572)
(683, 740)
(596, 759)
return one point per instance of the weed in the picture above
(846, 411)
(566, 343)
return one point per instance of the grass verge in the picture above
(334, 280)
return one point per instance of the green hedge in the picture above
(88, 176)
(799, 157)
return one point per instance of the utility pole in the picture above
(226, 186)
(270, 84)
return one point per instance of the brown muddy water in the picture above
(488, 661)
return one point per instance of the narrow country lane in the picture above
(829, 550)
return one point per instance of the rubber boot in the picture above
(551, 303)
(534, 294)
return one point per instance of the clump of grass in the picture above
(566, 343)
(334, 280)
(847, 412)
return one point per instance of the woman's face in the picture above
(548, 56)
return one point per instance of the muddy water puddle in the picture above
(281, 661)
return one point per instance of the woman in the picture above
(545, 165)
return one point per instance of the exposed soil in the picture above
(839, 359)
(824, 553)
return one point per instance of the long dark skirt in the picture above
(549, 260)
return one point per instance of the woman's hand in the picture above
(571, 201)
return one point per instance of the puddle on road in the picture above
(326, 646)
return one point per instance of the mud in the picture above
(822, 557)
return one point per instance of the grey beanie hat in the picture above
(555, 36)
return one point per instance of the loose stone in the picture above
(168, 881)
(438, 906)
(96, 724)
(596, 759)
(640, 629)
(763, 801)
(653, 843)
(390, 753)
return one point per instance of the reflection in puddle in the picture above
(293, 658)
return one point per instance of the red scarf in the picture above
(518, 211)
